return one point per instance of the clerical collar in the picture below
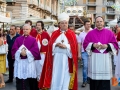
(25, 35)
(100, 29)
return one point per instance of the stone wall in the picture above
(26, 8)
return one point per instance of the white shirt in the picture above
(81, 38)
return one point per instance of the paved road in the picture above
(11, 86)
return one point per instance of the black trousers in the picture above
(100, 84)
(11, 66)
(27, 84)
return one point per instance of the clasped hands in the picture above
(23, 51)
(60, 45)
(100, 46)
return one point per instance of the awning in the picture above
(10, 0)
(2, 1)
(4, 19)
(20, 22)
(112, 23)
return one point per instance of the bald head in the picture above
(99, 21)
(26, 29)
(27, 25)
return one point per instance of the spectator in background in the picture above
(6, 32)
(71, 27)
(2, 58)
(18, 29)
(10, 40)
(82, 54)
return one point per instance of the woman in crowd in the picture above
(2, 57)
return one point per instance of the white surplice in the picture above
(24, 68)
(100, 64)
(117, 68)
(40, 63)
(60, 73)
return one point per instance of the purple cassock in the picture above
(103, 36)
(30, 43)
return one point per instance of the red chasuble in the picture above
(46, 76)
(43, 38)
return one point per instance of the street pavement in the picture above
(11, 86)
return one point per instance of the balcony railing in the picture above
(109, 3)
(108, 20)
(9, 0)
(33, 2)
(110, 12)
(91, 3)
(91, 11)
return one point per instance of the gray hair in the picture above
(27, 25)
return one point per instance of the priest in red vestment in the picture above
(33, 30)
(42, 40)
(60, 66)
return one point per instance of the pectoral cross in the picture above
(62, 41)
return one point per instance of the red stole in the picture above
(46, 76)
(38, 38)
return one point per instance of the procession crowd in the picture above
(39, 61)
